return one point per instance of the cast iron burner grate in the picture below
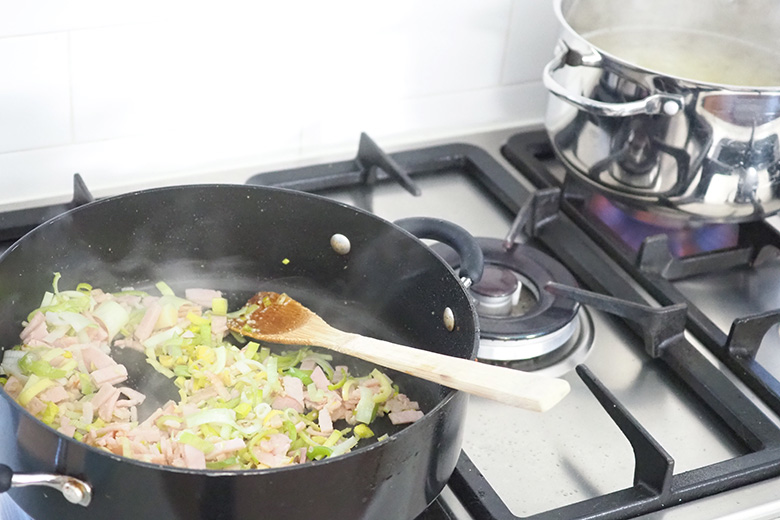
(606, 288)
(655, 267)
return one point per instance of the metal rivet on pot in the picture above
(671, 108)
(340, 244)
(449, 319)
(75, 494)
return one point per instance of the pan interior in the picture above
(241, 240)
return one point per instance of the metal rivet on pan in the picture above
(449, 319)
(340, 244)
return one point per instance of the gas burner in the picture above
(632, 227)
(521, 324)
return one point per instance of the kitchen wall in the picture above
(162, 91)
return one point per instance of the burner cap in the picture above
(497, 292)
(509, 329)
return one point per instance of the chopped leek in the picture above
(164, 289)
(34, 386)
(365, 411)
(362, 431)
(318, 452)
(196, 442)
(231, 395)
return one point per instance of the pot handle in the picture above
(472, 261)
(662, 103)
(74, 490)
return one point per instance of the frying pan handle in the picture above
(472, 261)
(74, 490)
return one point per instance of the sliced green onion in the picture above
(55, 283)
(362, 431)
(34, 386)
(196, 442)
(333, 438)
(84, 287)
(29, 365)
(303, 375)
(344, 447)
(385, 388)
(50, 413)
(222, 464)
(318, 452)
(365, 411)
(113, 316)
(86, 384)
(338, 385)
(164, 289)
(250, 349)
(219, 306)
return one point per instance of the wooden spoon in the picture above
(281, 319)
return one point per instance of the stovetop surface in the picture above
(537, 463)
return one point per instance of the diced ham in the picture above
(193, 457)
(272, 451)
(94, 358)
(65, 342)
(308, 364)
(87, 413)
(325, 421)
(271, 460)
(405, 417)
(112, 375)
(13, 386)
(225, 447)
(219, 326)
(68, 430)
(35, 329)
(102, 395)
(96, 333)
(36, 406)
(399, 403)
(319, 378)
(293, 387)
(133, 396)
(113, 428)
(283, 402)
(202, 297)
(106, 410)
(148, 435)
(54, 394)
(218, 385)
(146, 326)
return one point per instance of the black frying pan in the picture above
(242, 239)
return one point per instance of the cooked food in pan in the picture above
(240, 406)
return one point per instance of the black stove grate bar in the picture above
(16, 223)
(659, 326)
(467, 158)
(653, 466)
(369, 165)
(655, 272)
(746, 334)
(655, 257)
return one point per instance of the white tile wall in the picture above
(147, 90)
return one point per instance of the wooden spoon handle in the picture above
(522, 389)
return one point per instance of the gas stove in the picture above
(666, 333)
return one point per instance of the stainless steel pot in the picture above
(671, 106)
